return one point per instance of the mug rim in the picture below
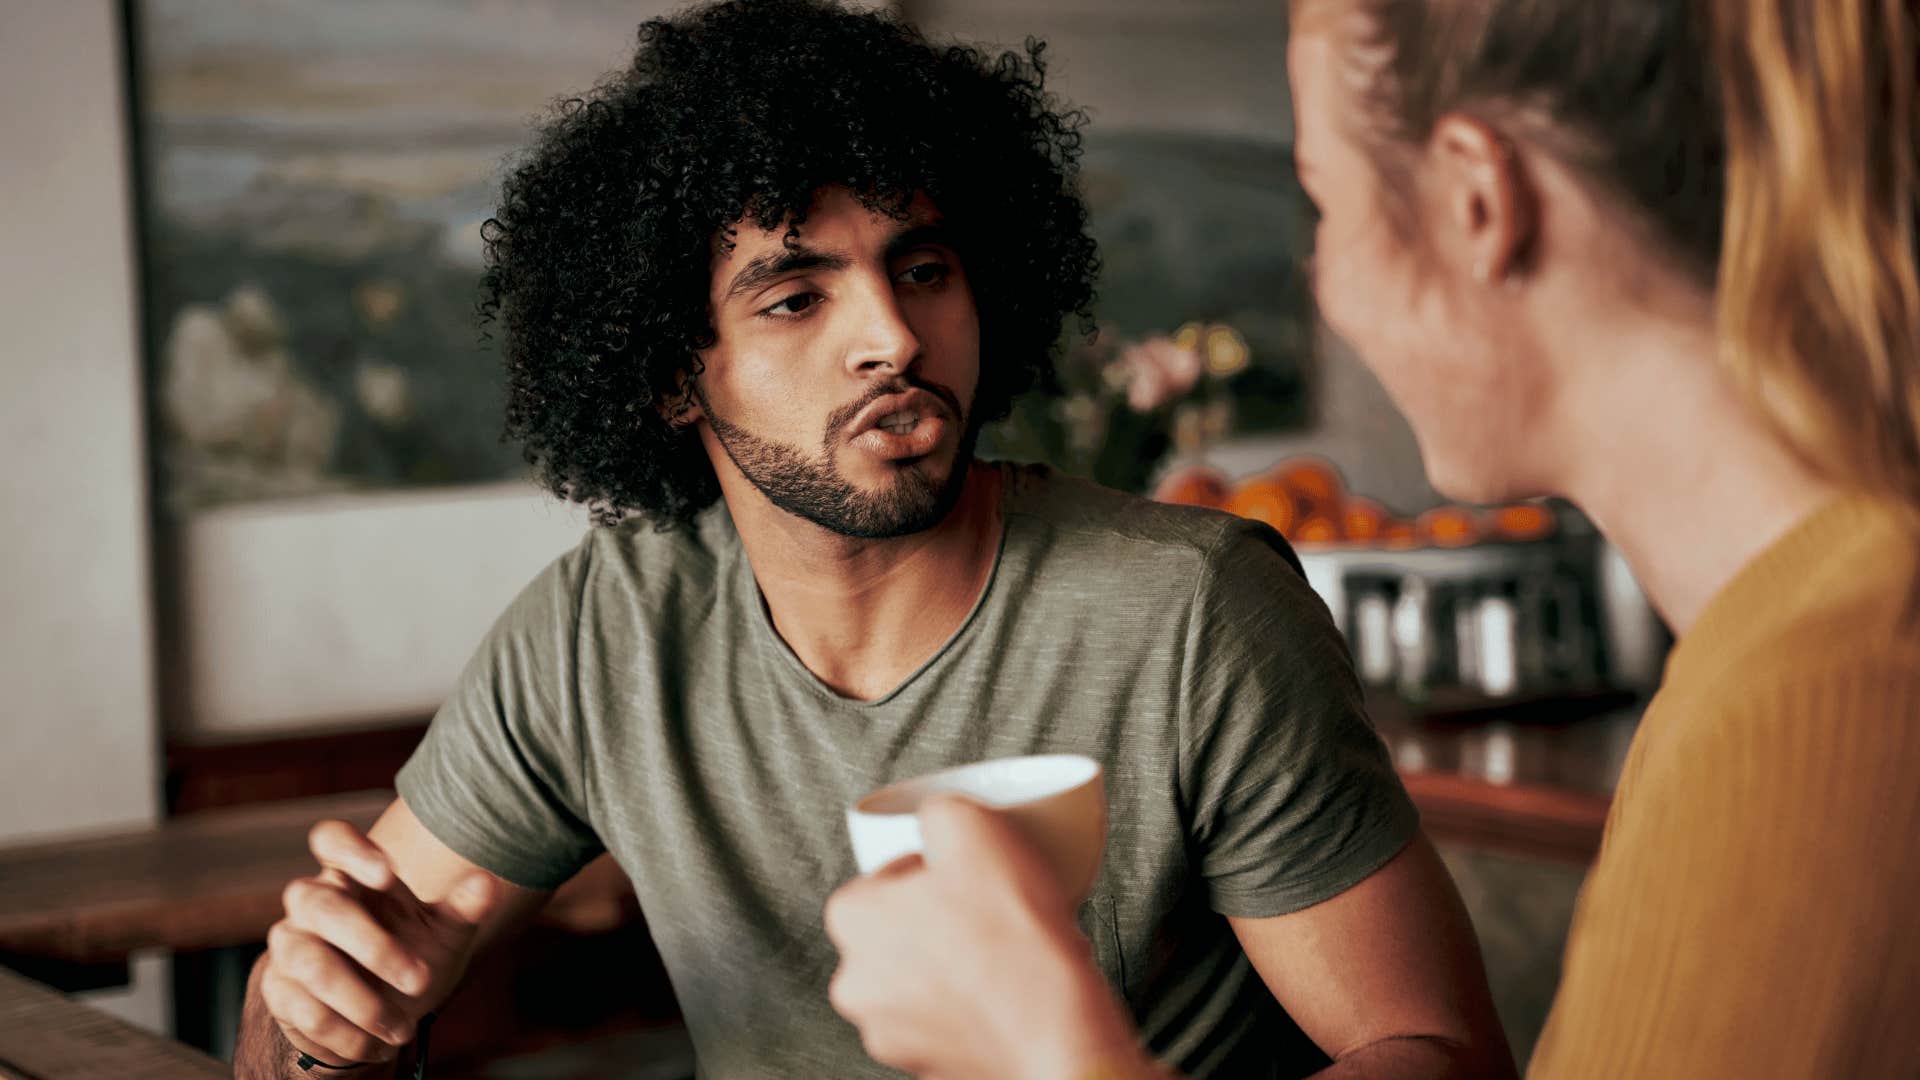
(1090, 771)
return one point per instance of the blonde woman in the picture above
(1658, 257)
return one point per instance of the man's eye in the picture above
(926, 273)
(792, 305)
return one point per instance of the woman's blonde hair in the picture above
(1769, 144)
(1819, 285)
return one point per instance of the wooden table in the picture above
(48, 1036)
(206, 887)
(199, 882)
(207, 881)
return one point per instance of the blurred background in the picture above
(259, 511)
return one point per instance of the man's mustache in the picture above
(844, 415)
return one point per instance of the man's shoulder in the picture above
(645, 570)
(1091, 519)
(1069, 506)
(639, 542)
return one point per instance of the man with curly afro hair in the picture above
(757, 293)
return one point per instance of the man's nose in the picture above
(884, 343)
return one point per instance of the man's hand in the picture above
(359, 959)
(966, 963)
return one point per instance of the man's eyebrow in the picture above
(770, 266)
(932, 232)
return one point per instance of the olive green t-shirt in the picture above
(636, 699)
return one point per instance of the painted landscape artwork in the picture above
(315, 177)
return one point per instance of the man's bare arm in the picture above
(1386, 977)
(378, 938)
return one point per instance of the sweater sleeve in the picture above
(1752, 913)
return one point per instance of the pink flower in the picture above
(1159, 370)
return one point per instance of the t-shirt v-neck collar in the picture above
(747, 592)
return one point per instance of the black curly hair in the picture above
(600, 254)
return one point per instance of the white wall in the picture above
(78, 741)
(322, 613)
(76, 674)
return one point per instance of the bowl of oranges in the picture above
(1305, 500)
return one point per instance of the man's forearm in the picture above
(262, 1052)
(1418, 1058)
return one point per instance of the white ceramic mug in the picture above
(1057, 801)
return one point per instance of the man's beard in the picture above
(816, 491)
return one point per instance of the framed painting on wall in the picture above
(339, 518)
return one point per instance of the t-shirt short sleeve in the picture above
(1291, 794)
(499, 777)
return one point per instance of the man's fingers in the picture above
(463, 908)
(338, 983)
(318, 1028)
(339, 846)
(335, 916)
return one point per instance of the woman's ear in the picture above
(1488, 201)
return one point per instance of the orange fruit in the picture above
(1362, 520)
(1399, 534)
(1193, 485)
(1448, 526)
(1315, 484)
(1318, 529)
(1523, 521)
(1263, 499)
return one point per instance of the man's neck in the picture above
(863, 615)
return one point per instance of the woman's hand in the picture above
(966, 962)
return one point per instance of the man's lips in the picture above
(923, 404)
(906, 444)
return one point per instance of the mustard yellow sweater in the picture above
(1755, 910)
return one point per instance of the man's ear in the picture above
(681, 409)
